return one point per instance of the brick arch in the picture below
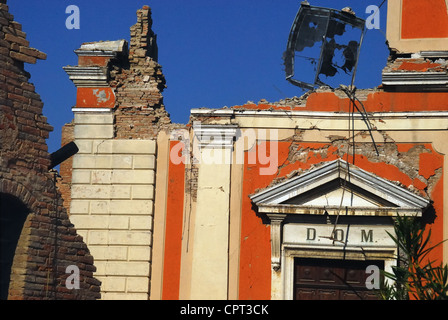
(37, 205)
(16, 267)
(21, 192)
(48, 243)
(13, 215)
(14, 226)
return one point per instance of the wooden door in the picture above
(327, 279)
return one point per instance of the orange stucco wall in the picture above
(93, 61)
(173, 231)
(255, 246)
(95, 98)
(418, 21)
(376, 101)
(255, 264)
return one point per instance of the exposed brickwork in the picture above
(48, 242)
(139, 83)
(65, 168)
(135, 80)
(143, 39)
(191, 183)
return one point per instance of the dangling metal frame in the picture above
(332, 23)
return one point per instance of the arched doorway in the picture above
(13, 213)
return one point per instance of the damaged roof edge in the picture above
(117, 46)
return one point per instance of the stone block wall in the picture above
(112, 177)
(112, 194)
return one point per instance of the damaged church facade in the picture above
(258, 201)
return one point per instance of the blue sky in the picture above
(214, 53)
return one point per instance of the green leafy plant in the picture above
(415, 275)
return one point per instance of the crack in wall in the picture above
(407, 162)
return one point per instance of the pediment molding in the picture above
(374, 195)
(320, 190)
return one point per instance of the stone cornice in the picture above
(215, 136)
(88, 76)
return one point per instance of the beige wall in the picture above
(112, 204)
(209, 277)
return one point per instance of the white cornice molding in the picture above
(340, 169)
(412, 78)
(349, 211)
(314, 114)
(109, 49)
(96, 53)
(89, 110)
(88, 76)
(215, 136)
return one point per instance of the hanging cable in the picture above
(381, 4)
(350, 92)
(352, 96)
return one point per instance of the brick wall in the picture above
(48, 242)
(65, 168)
(140, 111)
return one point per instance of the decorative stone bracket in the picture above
(92, 70)
(215, 136)
(276, 239)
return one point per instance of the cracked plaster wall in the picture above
(416, 166)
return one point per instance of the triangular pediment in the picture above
(338, 184)
(339, 192)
